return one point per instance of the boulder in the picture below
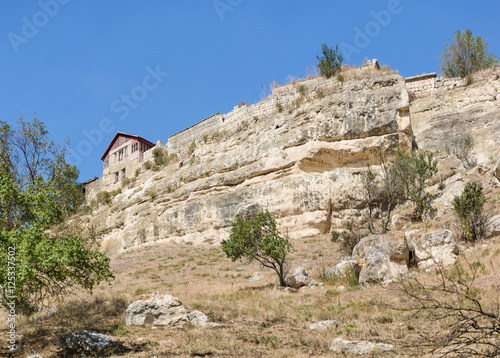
(322, 324)
(381, 258)
(339, 270)
(298, 279)
(200, 319)
(256, 276)
(88, 341)
(358, 347)
(432, 246)
(157, 310)
(493, 226)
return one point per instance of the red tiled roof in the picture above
(123, 134)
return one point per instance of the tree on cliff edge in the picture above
(38, 261)
(257, 238)
(467, 54)
(331, 62)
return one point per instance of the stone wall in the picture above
(429, 84)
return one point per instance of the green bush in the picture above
(466, 55)
(463, 151)
(340, 78)
(137, 172)
(468, 208)
(147, 165)
(125, 181)
(414, 171)
(257, 238)
(303, 90)
(152, 193)
(104, 197)
(205, 138)
(348, 238)
(159, 157)
(331, 62)
(191, 147)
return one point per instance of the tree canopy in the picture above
(465, 55)
(38, 190)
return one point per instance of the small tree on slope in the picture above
(257, 238)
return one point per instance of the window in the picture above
(135, 147)
(106, 164)
(123, 173)
(120, 155)
(144, 147)
(125, 152)
(116, 177)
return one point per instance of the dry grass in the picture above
(257, 319)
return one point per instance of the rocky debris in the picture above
(256, 276)
(322, 324)
(157, 310)
(453, 186)
(339, 270)
(88, 341)
(432, 246)
(493, 226)
(200, 319)
(35, 356)
(298, 279)
(358, 347)
(381, 258)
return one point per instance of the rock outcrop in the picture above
(156, 310)
(299, 154)
(381, 259)
(359, 347)
(88, 342)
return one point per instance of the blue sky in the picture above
(152, 68)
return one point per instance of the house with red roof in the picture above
(123, 155)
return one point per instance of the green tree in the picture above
(414, 170)
(46, 259)
(465, 55)
(469, 210)
(330, 63)
(257, 238)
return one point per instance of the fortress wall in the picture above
(429, 84)
(92, 188)
(284, 95)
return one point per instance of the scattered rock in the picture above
(88, 341)
(314, 283)
(493, 226)
(321, 324)
(358, 347)
(339, 270)
(298, 279)
(381, 258)
(340, 288)
(200, 319)
(395, 219)
(157, 310)
(432, 246)
(256, 276)
(35, 356)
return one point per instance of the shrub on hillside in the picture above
(331, 62)
(257, 238)
(469, 207)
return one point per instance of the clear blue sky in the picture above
(96, 67)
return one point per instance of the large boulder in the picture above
(340, 269)
(493, 226)
(88, 341)
(432, 246)
(381, 258)
(298, 279)
(157, 310)
(359, 347)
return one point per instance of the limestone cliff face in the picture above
(442, 115)
(298, 155)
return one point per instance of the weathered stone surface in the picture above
(322, 324)
(256, 276)
(339, 270)
(157, 310)
(306, 159)
(441, 117)
(298, 279)
(88, 341)
(358, 347)
(432, 246)
(493, 226)
(381, 258)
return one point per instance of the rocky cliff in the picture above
(298, 153)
